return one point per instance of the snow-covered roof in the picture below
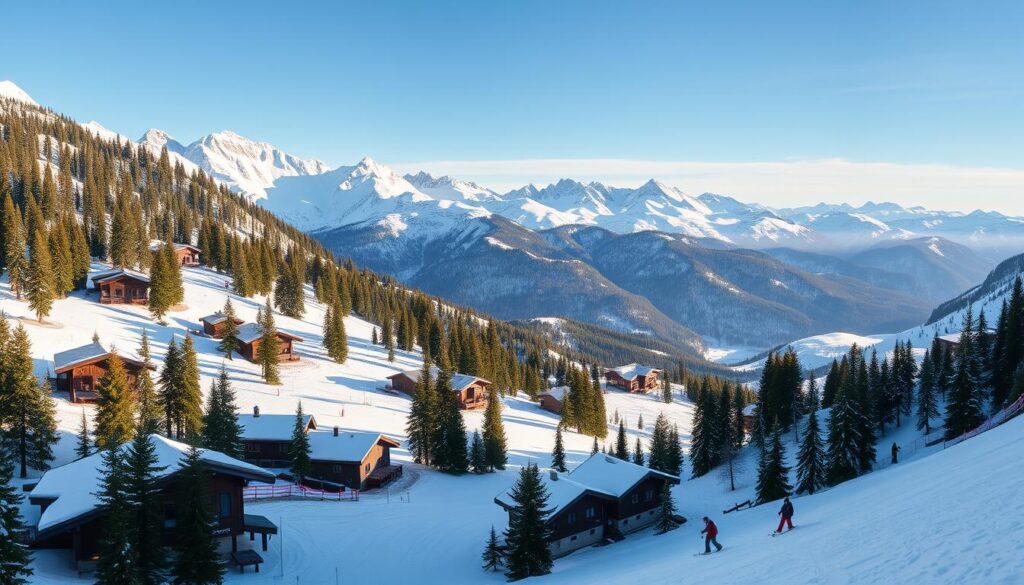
(459, 381)
(70, 357)
(558, 392)
(158, 244)
(270, 427)
(105, 275)
(951, 337)
(633, 371)
(216, 318)
(613, 475)
(749, 409)
(562, 491)
(73, 487)
(250, 332)
(347, 446)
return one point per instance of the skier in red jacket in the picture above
(711, 536)
(787, 515)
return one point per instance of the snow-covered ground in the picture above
(431, 522)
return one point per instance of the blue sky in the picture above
(459, 84)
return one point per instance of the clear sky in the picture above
(780, 102)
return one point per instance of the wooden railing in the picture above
(268, 492)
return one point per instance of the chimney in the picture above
(256, 412)
(553, 474)
(336, 431)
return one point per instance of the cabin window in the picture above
(283, 447)
(224, 504)
(572, 517)
(591, 512)
(337, 468)
(117, 292)
(648, 495)
(366, 468)
(634, 498)
(254, 447)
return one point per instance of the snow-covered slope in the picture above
(10, 90)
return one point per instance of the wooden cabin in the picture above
(553, 399)
(749, 413)
(355, 460)
(604, 497)
(71, 515)
(121, 286)
(187, 254)
(634, 378)
(267, 438)
(78, 371)
(472, 390)
(250, 336)
(213, 325)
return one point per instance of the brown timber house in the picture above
(213, 325)
(78, 371)
(71, 516)
(472, 390)
(250, 336)
(552, 399)
(121, 287)
(633, 378)
(600, 501)
(188, 255)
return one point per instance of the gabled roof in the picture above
(157, 245)
(218, 317)
(558, 393)
(633, 371)
(459, 381)
(271, 427)
(613, 475)
(108, 275)
(91, 352)
(71, 489)
(562, 491)
(250, 332)
(750, 409)
(347, 447)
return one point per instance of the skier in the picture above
(711, 536)
(787, 515)
(895, 452)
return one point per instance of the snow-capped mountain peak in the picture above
(156, 139)
(10, 90)
(448, 188)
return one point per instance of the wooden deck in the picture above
(383, 475)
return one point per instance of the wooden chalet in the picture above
(267, 438)
(355, 460)
(604, 498)
(187, 254)
(634, 378)
(552, 399)
(472, 390)
(121, 286)
(78, 371)
(250, 336)
(213, 325)
(749, 412)
(71, 515)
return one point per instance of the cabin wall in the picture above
(267, 453)
(638, 507)
(551, 404)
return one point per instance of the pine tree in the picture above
(229, 334)
(621, 448)
(492, 556)
(810, 467)
(495, 444)
(667, 511)
(528, 530)
(335, 336)
(14, 558)
(738, 404)
(558, 452)
(659, 447)
(842, 461)
(477, 455)
(702, 445)
(420, 421)
(39, 280)
(191, 392)
(29, 412)
(146, 502)
(638, 452)
(166, 289)
(675, 453)
(448, 446)
(115, 408)
(299, 450)
(170, 396)
(772, 474)
(117, 564)
(927, 403)
(593, 449)
(198, 561)
(388, 338)
(84, 446)
(221, 431)
(964, 411)
(666, 391)
(270, 346)
(14, 247)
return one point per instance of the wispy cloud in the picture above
(778, 184)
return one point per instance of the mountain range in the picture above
(654, 259)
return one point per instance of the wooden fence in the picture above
(269, 492)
